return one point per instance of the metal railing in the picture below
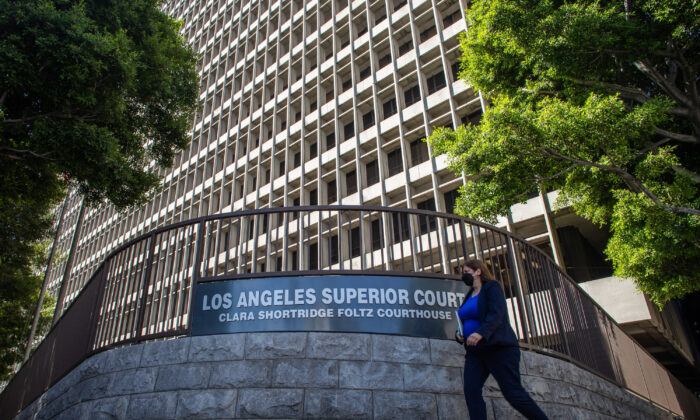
(144, 289)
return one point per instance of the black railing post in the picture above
(524, 311)
(557, 309)
(144, 285)
(195, 273)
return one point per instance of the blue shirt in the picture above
(469, 315)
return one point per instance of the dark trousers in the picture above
(503, 364)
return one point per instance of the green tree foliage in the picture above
(93, 94)
(600, 101)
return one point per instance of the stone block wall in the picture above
(315, 376)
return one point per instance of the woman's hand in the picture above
(473, 339)
(459, 337)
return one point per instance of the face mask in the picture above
(468, 279)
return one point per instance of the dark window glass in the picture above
(313, 197)
(436, 82)
(365, 73)
(251, 229)
(379, 19)
(474, 118)
(330, 141)
(295, 261)
(412, 95)
(313, 256)
(399, 5)
(450, 201)
(372, 172)
(283, 125)
(376, 235)
(402, 229)
(347, 84)
(334, 249)
(390, 108)
(362, 32)
(297, 159)
(345, 43)
(351, 182)
(395, 165)
(279, 264)
(427, 223)
(313, 106)
(426, 34)
(267, 176)
(384, 61)
(349, 130)
(297, 116)
(405, 47)
(332, 192)
(354, 244)
(281, 168)
(313, 150)
(419, 152)
(368, 120)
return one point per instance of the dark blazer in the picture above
(493, 315)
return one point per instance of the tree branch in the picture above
(685, 138)
(59, 115)
(653, 146)
(625, 91)
(645, 67)
(690, 174)
(14, 152)
(632, 182)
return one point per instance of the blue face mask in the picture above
(468, 279)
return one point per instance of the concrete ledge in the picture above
(314, 375)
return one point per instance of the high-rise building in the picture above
(328, 102)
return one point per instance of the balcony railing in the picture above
(144, 289)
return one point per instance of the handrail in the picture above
(143, 290)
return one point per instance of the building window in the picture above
(330, 141)
(412, 95)
(436, 82)
(452, 18)
(405, 47)
(390, 108)
(313, 106)
(313, 150)
(365, 73)
(297, 159)
(419, 152)
(297, 116)
(334, 249)
(281, 168)
(428, 33)
(399, 4)
(313, 197)
(332, 192)
(368, 120)
(384, 61)
(349, 130)
(376, 228)
(295, 261)
(313, 256)
(362, 32)
(347, 84)
(351, 182)
(455, 71)
(402, 229)
(450, 202)
(354, 244)
(395, 165)
(427, 223)
(372, 172)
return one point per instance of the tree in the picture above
(97, 95)
(600, 101)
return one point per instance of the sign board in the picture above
(414, 306)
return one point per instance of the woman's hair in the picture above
(486, 275)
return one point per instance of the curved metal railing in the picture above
(144, 289)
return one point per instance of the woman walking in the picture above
(491, 345)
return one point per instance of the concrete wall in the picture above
(313, 375)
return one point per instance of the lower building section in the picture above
(314, 375)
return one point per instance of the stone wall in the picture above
(314, 375)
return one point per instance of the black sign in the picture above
(416, 306)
